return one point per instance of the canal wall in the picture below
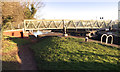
(15, 33)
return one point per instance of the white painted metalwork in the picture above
(107, 36)
(71, 24)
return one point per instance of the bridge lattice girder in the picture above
(71, 24)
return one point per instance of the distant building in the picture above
(119, 10)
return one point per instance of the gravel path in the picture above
(27, 58)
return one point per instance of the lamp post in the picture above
(101, 18)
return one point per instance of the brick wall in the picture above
(15, 33)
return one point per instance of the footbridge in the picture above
(69, 24)
(83, 27)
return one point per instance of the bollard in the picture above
(86, 39)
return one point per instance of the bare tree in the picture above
(16, 12)
(31, 7)
(12, 12)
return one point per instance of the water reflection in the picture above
(39, 33)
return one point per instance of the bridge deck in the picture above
(62, 28)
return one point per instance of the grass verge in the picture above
(9, 55)
(56, 53)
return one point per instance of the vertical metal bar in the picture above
(76, 29)
(63, 23)
(24, 24)
(64, 28)
(107, 40)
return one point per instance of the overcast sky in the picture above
(82, 10)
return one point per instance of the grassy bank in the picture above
(56, 53)
(9, 55)
(10, 48)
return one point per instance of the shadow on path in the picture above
(27, 58)
(25, 54)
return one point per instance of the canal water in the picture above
(38, 33)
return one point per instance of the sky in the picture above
(80, 10)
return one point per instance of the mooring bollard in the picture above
(86, 39)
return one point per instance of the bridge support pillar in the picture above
(64, 29)
(65, 35)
